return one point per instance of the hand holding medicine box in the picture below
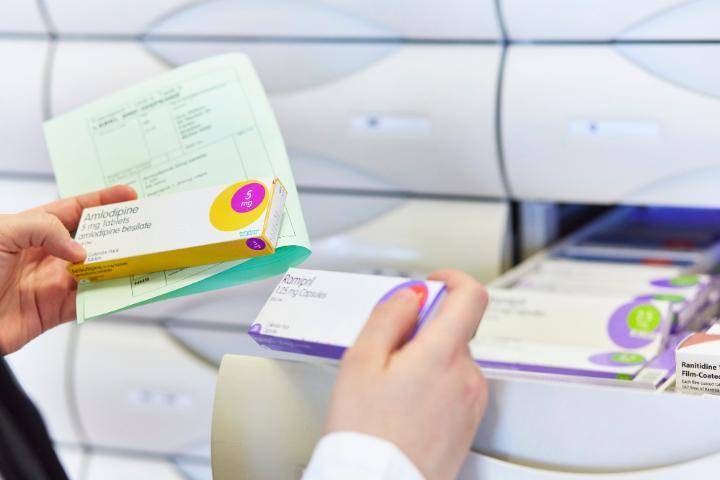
(229, 132)
(185, 229)
(321, 313)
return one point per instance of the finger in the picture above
(68, 310)
(68, 210)
(39, 229)
(460, 312)
(389, 326)
(55, 293)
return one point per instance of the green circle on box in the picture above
(643, 318)
(627, 358)
(684, 281)
(669, 297)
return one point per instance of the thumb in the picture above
(38, 229)
(389, 326)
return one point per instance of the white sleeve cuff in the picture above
(358, 456)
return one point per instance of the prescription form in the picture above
(203, 124)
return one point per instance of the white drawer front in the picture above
(482, 467)
(541, 430)
(612, 125)
(21, 16)
(377, 116)
(138, 389)
(73, 459)
(18, 193)
(116, 65)
(22, 145)
(389, 19)
(363, 117)
(410, 237)
(41, 368)
(113, 466)
(611, 19)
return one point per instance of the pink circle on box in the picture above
(248, 198)
(255, 243)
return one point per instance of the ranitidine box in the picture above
(697, 360)
(321, 313)
(197, 227)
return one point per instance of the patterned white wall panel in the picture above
(612, 19)
(453, 19)
(22, 145)
(607, 125)
(21, 16)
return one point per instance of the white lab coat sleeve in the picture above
(358, 456)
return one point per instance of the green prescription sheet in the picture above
(202, 124)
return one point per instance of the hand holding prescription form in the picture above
(201, 125)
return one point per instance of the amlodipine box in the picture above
(321, 313)
(186, 229)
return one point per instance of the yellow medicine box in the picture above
(186, 229)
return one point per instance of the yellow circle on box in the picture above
(239, 205)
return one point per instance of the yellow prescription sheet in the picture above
(203, 124)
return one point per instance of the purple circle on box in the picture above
(617, 359)
(248, 198)
(620, 330)
(415, 285)
(662, 297)
(255, 243)
(645, 298)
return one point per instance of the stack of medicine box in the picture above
(608, 319)
(620, 297)
(607, 338)
(645, 256)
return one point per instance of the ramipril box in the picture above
(186, 229)
(697, 361)
(321, 313)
